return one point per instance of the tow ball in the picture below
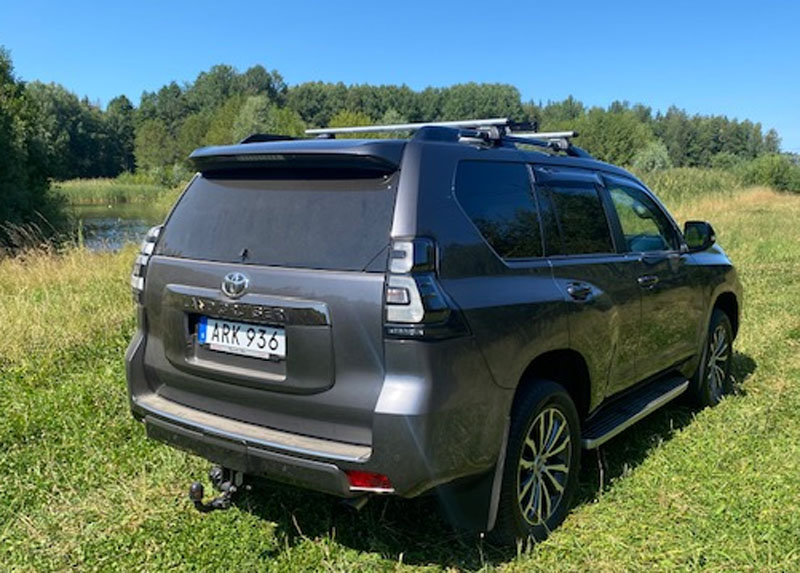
(224, 480)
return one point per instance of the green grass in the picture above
(717, 489)
(110, 191)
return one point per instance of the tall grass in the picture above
(680, 185)
(109, 191)
(52, 301)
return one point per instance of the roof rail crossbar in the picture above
(467, 123)
(557, 140)
(549, 135)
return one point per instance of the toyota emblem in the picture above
(234, 284)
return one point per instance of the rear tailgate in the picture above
(313, 247)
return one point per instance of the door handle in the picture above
(647, 281)
(579, 291)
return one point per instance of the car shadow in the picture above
(416, 532)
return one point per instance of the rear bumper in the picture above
(248, 458)
(423, 434)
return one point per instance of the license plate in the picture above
(241, 338)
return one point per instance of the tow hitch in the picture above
(224, 480)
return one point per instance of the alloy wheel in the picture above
(544, 466)
(719, 351)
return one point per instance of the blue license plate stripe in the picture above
(201, 331)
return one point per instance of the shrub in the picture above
(652, 157)
(726, 160)
(772, 170)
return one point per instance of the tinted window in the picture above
(499, 200)
(644, 225)
(580, 218)
(340, 224)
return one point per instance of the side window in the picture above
(580, 218)
(644, 225)
(499, 200)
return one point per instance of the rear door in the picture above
(494, 267)
(600, 293)
(671, 310)
(311, 248)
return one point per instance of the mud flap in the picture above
(472, 503)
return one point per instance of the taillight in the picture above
(416, 305)
(142, 260)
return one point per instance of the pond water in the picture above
(109, 227)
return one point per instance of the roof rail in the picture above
(467, 123)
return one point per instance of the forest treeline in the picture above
(47, 132)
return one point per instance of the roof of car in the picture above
(388, 152)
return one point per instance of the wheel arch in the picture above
(729, 304)
(564, 366)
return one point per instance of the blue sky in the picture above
(737, 58)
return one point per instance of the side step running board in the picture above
(607, 424)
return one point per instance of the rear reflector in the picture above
(368, 481)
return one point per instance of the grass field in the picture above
(717, 489)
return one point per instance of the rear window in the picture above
(332, 224)
(580, 218)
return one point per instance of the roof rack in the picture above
(492, 131)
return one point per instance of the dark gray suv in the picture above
(460, 312)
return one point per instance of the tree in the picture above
(772, 142)
(675, 131)
(258, 81)
(430, 104)
(317, 102)
(213, 88)
(285, 121)
(474, 101)
(347, 118)
(561, 113)
(220, 129)
(154, 147)
(252, 117)
(119, 119)
(75, 137)
(192, 134)
(613, 137)
(24, 188)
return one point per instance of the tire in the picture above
(713, 377)
(536, 492)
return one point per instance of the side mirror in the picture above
(699, 235)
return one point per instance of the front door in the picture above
(670, 308)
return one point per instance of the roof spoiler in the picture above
(290, 156)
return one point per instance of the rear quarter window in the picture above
(499, 200)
